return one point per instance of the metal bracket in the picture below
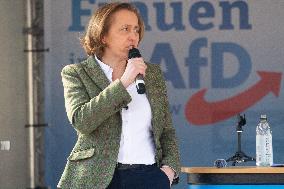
(36, 125)
(36, 50)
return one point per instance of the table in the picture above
(234, 177)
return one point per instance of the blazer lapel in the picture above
(150, 87)
(147, 81)
(93, 69)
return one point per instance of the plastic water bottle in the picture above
(264, 151)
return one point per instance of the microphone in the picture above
(139, 81)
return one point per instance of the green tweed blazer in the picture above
(93, 107)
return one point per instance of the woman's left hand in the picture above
(169, 172)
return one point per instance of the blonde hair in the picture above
(99, 26)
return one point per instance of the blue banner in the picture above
(219, 58)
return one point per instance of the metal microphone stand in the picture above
(240, 156)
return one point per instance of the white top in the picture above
(136, 143)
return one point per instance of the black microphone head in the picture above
(134, 53)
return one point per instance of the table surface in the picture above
(232, 170)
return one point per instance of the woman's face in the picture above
(123, 34)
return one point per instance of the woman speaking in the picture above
(125, 139)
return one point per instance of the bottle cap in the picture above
(263, 116)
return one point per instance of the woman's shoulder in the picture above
(152, 65)
(154, 68)
(74, 67)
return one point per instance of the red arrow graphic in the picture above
(200, 112)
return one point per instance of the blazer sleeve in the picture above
(168, 140)
(87, 114)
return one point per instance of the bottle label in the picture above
(264, 152)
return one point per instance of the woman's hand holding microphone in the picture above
(134, 67)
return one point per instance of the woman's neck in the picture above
(118, 66)
(114, 62)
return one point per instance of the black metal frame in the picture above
(240, 156)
